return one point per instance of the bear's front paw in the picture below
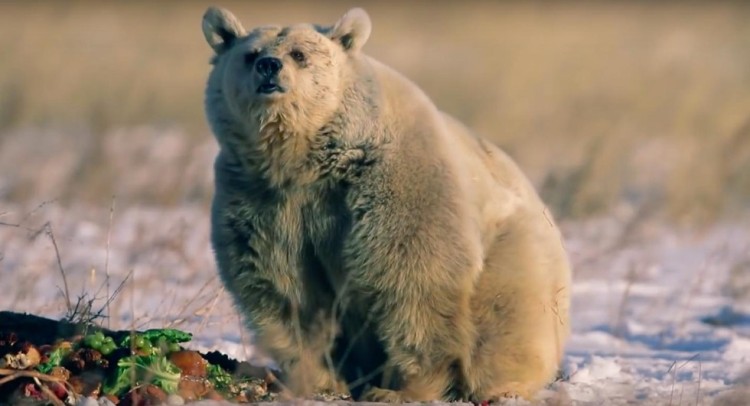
(384, 396)
(332, 385)
(502, 394)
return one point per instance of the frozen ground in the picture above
(661, 315)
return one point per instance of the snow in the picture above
(661, 314)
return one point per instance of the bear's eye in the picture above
(297, 55)
(250, 57)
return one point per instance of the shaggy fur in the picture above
(371, 241)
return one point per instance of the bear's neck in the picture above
(280, 153)
(286, 146)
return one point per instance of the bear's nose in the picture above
(268, 66)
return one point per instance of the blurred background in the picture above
(603, 104)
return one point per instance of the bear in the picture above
(374, 244)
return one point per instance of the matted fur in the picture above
(370, 240)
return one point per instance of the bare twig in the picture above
(83, 310)
(674, 368)
(36, 209)
(11, 374)
(50, 395)
(209, 310)
(700, 378)
(192, 300)
(674, 376)
(34, 231)
(106, 258)
(51, 235)
(630, 279)
(697, 284)
(119, 288)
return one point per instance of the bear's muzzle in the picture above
(268, 68)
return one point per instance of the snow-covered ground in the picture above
(661, 315)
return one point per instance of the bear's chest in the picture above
(299, 232)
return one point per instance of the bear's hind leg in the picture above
(520, 310)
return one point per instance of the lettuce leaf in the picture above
(143, 369)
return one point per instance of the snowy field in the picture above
(600, 103)
(660, 315)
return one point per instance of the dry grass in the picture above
(600, 102)
(70, 273)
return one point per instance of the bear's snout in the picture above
(268, 66)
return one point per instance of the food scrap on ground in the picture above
(43, 361)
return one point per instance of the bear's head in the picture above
(286, 79)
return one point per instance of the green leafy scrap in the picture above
(143, 369)
(220, 378)
(148, 365)
(156, 341)
(170, 334)
(55, 359)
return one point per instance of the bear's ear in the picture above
(352, 30)
(221, 28)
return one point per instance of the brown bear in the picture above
(372, 242)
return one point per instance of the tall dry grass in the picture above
(600, 102)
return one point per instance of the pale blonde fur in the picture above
(366, 236)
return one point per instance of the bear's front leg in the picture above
(297, 342)
(412, 260)
(426, 341)
(265, 284)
